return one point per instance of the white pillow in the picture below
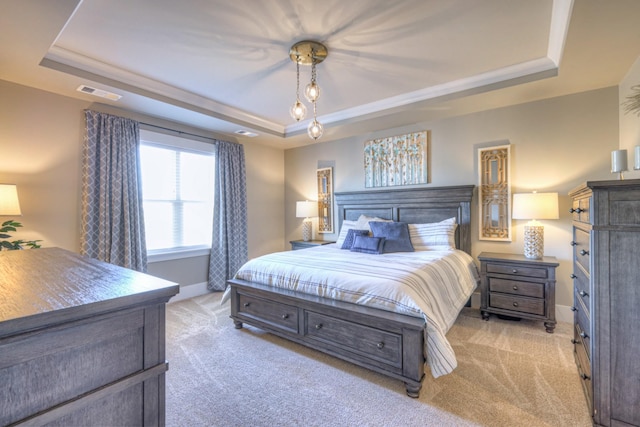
(437, 236)
(344, 230)
(363, 222)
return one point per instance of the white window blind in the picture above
(177, 189)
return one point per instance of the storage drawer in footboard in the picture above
(269, 313)
(359, 340)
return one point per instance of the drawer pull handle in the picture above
(583, 252)
(247, 304)
(514, 271)
(583, 335)
(573, 243)
(574, 342)
(573, 276)
(583, 294)
(319, 326)
(380, 345)
(285, 316)
(585, 377)
(515, 304)
(574, 309)
(515, 288)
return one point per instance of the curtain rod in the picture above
(179, 131)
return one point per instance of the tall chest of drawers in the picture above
(606, 278)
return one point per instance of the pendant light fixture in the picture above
(308, 52)
(298, 111)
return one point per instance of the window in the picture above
(177, 189)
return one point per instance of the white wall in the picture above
(556, 144)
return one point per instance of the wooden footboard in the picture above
(389, 343)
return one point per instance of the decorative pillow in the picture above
(437, 236)
(396, 235)
(363, 221)
(351, 236)
(344, 229)
(368, 245)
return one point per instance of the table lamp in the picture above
(535, 206)
(9, 204)
(306, 210)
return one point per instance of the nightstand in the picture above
(515, 286)
(301, 244)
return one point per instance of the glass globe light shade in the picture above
(298, 111)
(315, 129)
(312, 92)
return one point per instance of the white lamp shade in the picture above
(535, 206)
(9, 204)
(306, 209)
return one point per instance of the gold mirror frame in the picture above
(494, 193)
(325, 200)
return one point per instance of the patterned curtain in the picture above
(229, 243)
(112, 216)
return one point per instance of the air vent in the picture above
(246, 133)
(98, 92)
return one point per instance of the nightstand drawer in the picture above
(516, 287)
(516, 270)
(516, 303)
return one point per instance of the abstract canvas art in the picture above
(397, 160)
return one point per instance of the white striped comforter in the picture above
(434, 285)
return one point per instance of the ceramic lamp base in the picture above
(307, 230)
(533, 241)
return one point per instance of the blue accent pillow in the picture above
(351, 236)
(368, 245)
(396, 235)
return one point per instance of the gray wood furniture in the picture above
(388, 343)
(516, 286)
(301, 244)
(81, 341)
(606, 275)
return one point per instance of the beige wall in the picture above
(629, 122)
(41, 144)
(556, 144)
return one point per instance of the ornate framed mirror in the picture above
(494, 193)
(325, 200)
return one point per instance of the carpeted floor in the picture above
(509, 374)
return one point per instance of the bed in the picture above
(390, 335)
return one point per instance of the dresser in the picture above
(81, 341)
(513, 285)
(606, 279)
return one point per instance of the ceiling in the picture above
(224, 65)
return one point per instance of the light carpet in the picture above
(509, 374)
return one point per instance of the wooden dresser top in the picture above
(41, 285)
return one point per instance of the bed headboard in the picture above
(413, 206)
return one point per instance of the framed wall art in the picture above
(494, 193)
(397, 160)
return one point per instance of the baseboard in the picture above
(190, 291)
